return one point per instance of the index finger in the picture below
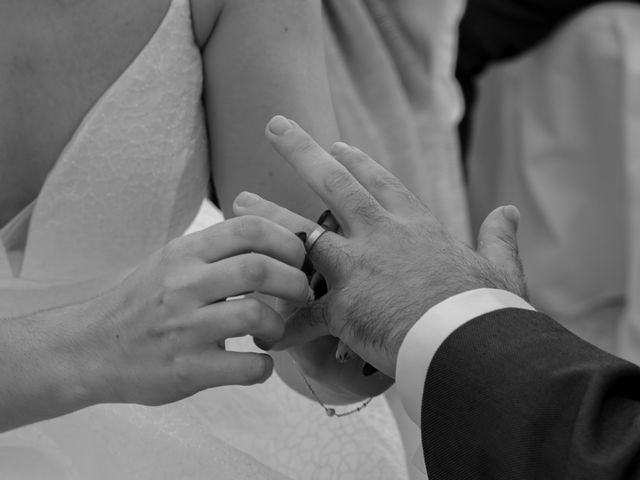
(325, 254)
(349, 201)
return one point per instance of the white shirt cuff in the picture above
(432, 329)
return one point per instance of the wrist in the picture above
(38, 368)
(74, 362)
(98, 357)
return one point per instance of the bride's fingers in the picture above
(247, 203)
(215, 368)
(351, 204)
(244, 235)
(250, 273)
(237, 318)
(384, 186)
(325, 249)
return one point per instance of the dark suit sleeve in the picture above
(495, 30)
(513, 395)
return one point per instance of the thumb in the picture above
(497, 242)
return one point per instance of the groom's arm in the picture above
(512, 394)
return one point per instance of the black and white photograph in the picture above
(319, 240)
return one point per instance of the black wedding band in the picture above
(328, 221)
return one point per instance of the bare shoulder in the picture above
(56, 59)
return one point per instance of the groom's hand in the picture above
(394, 261)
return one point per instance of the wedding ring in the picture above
(313, 238)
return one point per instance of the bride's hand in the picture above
(163, 338)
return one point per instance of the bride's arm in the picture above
(157, 335)
(40, 363)
(265, 58)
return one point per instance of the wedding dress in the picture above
(131, 178)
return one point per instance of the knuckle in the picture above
(337, 180)
(172, 286)
(171, 252)
(387, 182)
(252, 314)
(254, 270)
(171, 283)
(250, 228)
(184, 376)
(358, 155)
(369, 213)
(254, 370)
(507, 242)
(303, 146)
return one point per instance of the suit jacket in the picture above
(495, 30)
(513, 395)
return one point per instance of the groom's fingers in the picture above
(382, 184)
(349, 201)
(326, 250)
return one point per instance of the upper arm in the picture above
(265, 58)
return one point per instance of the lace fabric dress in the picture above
(134, 175)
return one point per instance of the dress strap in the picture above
(13, 238)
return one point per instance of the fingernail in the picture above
(246, 199)
(311, 296)
(340, 148)
(369, 370)
(262, 344)
(512, 214)
(279, 125)
(344, 354)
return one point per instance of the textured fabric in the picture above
(143, 143)
(390, 69)
(557, 136)
(512, 394)
(433, 328)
